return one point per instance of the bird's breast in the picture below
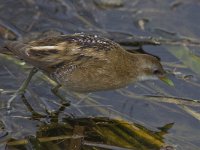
(88, 79)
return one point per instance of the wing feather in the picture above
(50, 53)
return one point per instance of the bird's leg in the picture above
(23, 87)
(25, 84)
(54, 90)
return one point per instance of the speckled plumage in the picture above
(86, 63)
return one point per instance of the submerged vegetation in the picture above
(93, 133)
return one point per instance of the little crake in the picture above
(86, 63)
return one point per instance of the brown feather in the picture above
(84, 62)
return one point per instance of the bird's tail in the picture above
(4, 50)
(8, 33)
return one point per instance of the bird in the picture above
(85, 63)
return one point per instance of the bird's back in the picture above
(54, 52)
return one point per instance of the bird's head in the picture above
(151, 68)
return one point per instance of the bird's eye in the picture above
(156, 72)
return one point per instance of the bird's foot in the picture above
(23, 87)
(19, 92)
(65, 102)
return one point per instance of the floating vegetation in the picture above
(109, 3)
(93, 133)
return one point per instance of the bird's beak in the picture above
(166, 80)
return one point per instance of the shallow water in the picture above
(152, 104)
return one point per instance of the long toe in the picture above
(17, 93)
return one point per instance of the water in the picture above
(174, 23)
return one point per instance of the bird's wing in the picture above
(68, 49)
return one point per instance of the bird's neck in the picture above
(129, 68)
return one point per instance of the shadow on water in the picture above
(139, 116)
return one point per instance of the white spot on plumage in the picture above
(44, 47)
(59, 46)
